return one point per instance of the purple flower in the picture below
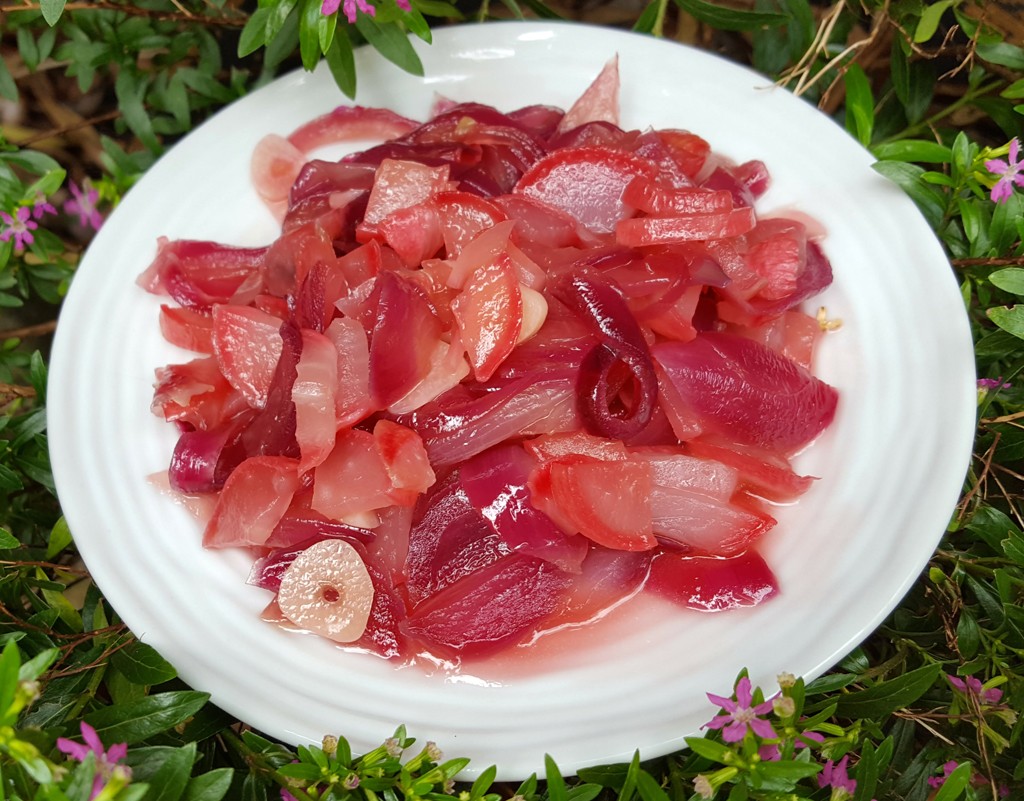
(938, 781)
(993, 383)
(740, 715)
(972, 686)
(83, 203)
(834, 775)
(1011, 170)
(771, 752)
(41, 206)
(19, 226)
(353, 7)
(106, 760)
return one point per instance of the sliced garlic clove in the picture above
(328, 591)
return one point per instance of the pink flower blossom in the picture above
(83, 203)
(834, 775)
(19, 226)
(41, 206)
(1011, 169)
(972, 686)
(353, 7)
(740, 716)
(771, 752)
(977, 780)
(106, 760)
(993, 383)
(938, 781)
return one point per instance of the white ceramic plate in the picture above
(891, 466)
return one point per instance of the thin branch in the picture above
(37, 330)
(134, 11)
(16, 391)
(58, 132)
(988, 262)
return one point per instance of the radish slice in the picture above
(328, 591)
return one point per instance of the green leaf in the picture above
(52, 9)
(605, 775)
(647, 19)
(556, 784)
(326, 28)
(60, 538)
(955, 783)
(930, 18)
(913, 82)
(210, 786)
(889, 696)
(309, 34)
(8, 88)
(992, 525)
(8, 540)
(1013, 547)
(787, 772)
(169, 781)
(1014, 91)
(1002, 53)
(131, 92)
(141, 664)
(254, 34)
(908, 177)
(860, 104)
(437, 8)
(730, 19)
(10, 664)
(584, 792)
(648, 788)
(968, 634)
(152, 715)
(1009, 279)
(867, 773)
(921, 150)
(279, 11)
(392, 43)
(1009, 318)
(28, 48)
(415, 22)
(341, 61)
(709, 749)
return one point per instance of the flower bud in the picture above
(329, 744)
(784, 706)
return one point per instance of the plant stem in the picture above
(924, 125)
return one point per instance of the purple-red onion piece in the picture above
(608, 406)
(272, 430)
(194, 462)
(496, 484)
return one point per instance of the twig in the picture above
(16, 391)
(1006, 418)
(46, 565)
(986, 467)
(988, 262)
(135, 11)
(37, 330)
(58, 132)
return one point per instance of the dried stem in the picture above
(16, 391)
(59, 132)
(37, 330)
(135, 11)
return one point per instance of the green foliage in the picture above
(935, 103)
